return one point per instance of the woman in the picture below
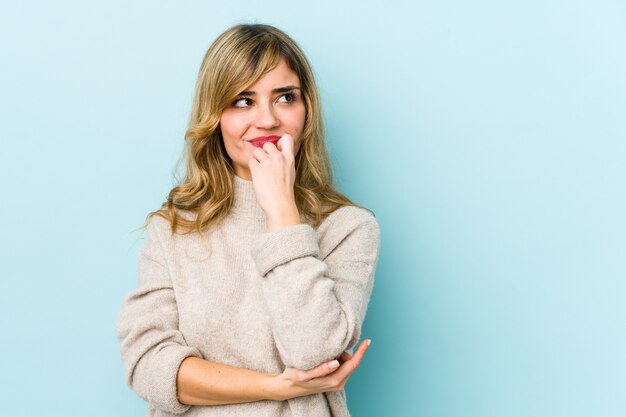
(255, 274)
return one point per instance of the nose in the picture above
(266, 117)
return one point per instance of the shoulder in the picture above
(158, 224)
(162, 225)
(349, 217)
(348, 221)
(154, 232)
(159, 229)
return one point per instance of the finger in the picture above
(252, 164)
(270, 148)
(286, 144)
(354, 361)
(321, 370)
(345, 356)
(360, 352)
(260, 154)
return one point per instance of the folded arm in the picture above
(317, 306)
(159, 365)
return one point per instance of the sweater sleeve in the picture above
(317, 306)
(152, 347)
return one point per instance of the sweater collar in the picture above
(245, 204)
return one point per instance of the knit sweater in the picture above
(241, 295)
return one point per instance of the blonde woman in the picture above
(256, 273)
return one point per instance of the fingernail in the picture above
(334, 364)
(369, 342)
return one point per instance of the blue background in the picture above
(487, 136)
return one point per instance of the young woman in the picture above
(256, 273)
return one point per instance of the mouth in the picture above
(261, 140)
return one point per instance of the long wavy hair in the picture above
(236, 60)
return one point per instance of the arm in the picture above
(201, 382)
(153, 349)
(317, 306)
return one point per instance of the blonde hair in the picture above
(236, 60)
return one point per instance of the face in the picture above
(271, 106)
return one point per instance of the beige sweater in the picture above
(294, 297)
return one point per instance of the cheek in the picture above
(298, 126)
(231, 134)
(228, 125)
(296, 120)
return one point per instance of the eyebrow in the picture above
(276, 90)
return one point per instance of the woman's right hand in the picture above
(296, 382)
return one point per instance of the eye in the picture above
(242, 102)
(287, 98)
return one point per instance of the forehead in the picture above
(279, 76)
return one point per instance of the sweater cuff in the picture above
(166, 375)
(272, 249)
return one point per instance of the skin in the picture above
(271, 168)
(272, 171)
(201, 382)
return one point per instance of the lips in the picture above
(261, 140)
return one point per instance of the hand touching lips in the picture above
(262, 140)
(273, 175)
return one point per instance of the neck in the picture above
(243, 172)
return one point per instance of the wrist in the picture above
(275, 387)
(287, 218)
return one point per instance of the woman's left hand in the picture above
(273, 176)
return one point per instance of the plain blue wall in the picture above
(488, 137)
